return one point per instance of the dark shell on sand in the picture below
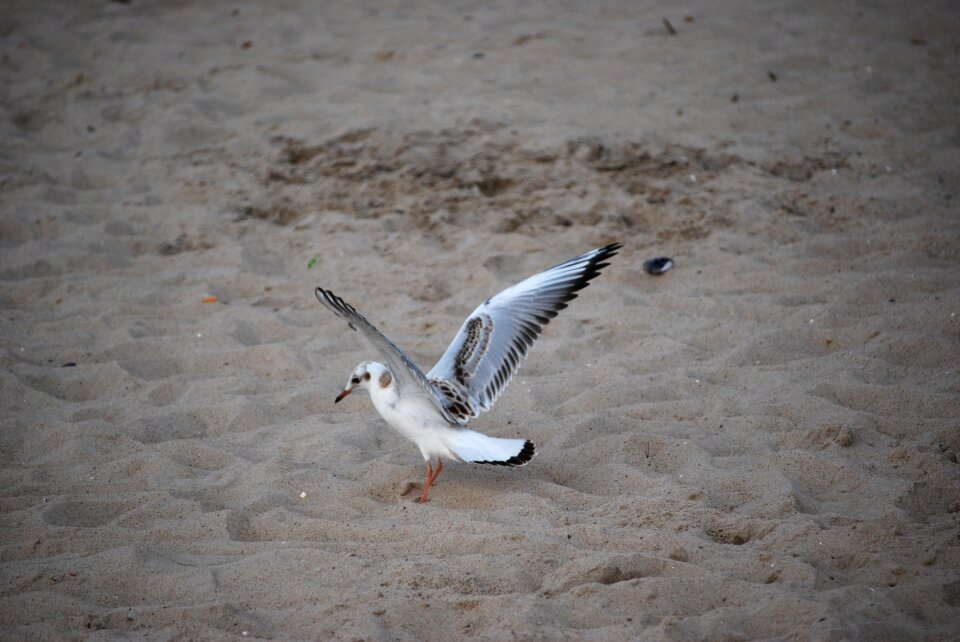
(657, 266)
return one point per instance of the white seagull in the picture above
(432, 409)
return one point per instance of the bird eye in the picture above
(355, 380)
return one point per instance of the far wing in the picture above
(406, 374)
(491, 343)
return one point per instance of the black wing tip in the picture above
(339, 307)
(592, 269)
(611, 248)
(603, 253)
(528, 452)
(327, 297)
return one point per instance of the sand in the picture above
(760, 444)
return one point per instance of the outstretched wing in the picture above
(488, 350)
(406, 375)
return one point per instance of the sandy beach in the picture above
(761, 443)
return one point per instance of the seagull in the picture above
(432, 409)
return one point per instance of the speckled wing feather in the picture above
(492, 342)
(406, 374)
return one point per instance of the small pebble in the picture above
(657, 266)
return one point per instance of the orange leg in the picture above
(426, 483)
(431, 477)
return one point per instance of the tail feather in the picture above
(476, 448)
(523, 457)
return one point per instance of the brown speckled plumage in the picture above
(479, 329)
(457, 401)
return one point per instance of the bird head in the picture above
(361, 377)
